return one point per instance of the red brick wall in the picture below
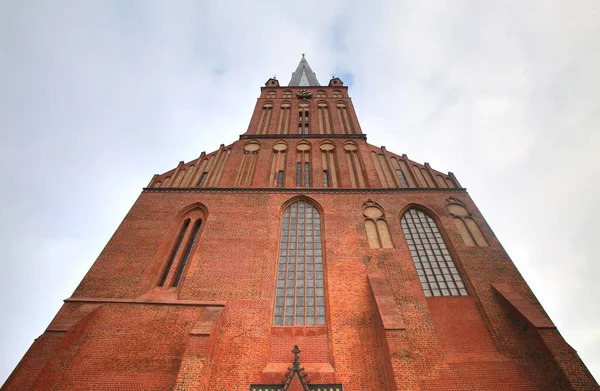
(449, 343)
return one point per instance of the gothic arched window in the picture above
(436, 268)
(300, 293)
(183, 248)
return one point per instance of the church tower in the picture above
(301, 257)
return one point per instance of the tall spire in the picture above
(304, 75)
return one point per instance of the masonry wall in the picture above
(127, 327)
(469, 342)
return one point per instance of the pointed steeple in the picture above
(304, 75)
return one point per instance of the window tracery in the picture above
(376, 227)
(465, 224)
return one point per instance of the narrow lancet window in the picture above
(202, 179)
(182, 232)
(298, 174)
(280, 179)
(437, 271)
(300, 292)
(188, 251)
(306, 174)
(325, 179)
(402, 179)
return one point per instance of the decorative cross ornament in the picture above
(296, 371)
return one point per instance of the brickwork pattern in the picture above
(121, 330)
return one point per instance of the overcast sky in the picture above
(97, 96)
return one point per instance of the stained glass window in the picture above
(437, 271)
(300, 296)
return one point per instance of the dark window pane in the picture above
(306, 174)
(202, 179)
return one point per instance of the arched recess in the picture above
(265, 118)
(329, 164)
(324, 118)
(303, 164)
(304, 117)
(278, 166)
(376, 226)
(343, 118)
(300, 288)
(337, 94)
(248, 163)
(283, 127)
(465, 224)
(437, 271)
(287, 94)
(357, 177)
(184, 242)
(271, 94)
(321, 94)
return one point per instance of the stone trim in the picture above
(296, 190)
(386, 303)
(303, 136)
(531, 314)
(110, 300)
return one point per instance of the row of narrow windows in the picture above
(300, 288)
(324, 123)
(289, 94)
(392, 172)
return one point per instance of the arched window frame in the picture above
(376, 226)
(303, 164)
(313, 266)
(466, 225)
(185, 235)
(436, 266)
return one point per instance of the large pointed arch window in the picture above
(300, 292)
(436, 268)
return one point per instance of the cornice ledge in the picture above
(295, 190)
(302, 136)
(114, 300)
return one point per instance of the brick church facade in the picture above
(380, 269)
